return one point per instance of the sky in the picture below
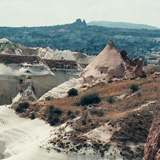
(18, 13)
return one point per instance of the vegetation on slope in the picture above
(131, 112)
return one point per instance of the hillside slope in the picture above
(114, 130)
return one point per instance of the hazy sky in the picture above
(52, 12)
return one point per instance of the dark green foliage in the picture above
(24, 105)
(72, 92)
(110, 81)
(19, 110)
(54, 113)
(90, 39)
(139, 94)
(134, 87)
(69, 112)
(53, 120)
(33, 116)
(21, 107)
(57, 111)
(84, 122)
(20, 81)
(110, 99)
(90, 99)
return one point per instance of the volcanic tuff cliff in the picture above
(17, 73)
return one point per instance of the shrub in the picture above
(57, 111)
(72, 92)
(110, 99)
(72, 116)
(110, 81)
(53, 120)
(139, 94)
(134, 87)
(19, 110)
(33, 116)
(69, 112)
(84, 122)
(90, 99)
(21, 107)
(24, 105)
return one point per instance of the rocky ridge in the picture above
(8, 47)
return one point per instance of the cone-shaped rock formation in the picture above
(108, 63)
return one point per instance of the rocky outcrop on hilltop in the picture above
(152, 150)
(79, 23)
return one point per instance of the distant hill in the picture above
(121, 25)
(80, 37)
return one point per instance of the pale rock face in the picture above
(108, 63)
(48, 53)
(14, 78)
(62, 89)
(5, 40)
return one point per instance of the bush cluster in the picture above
(72, 92)
(22, 107)
(70, 114)
(111, 99)
(134, 87)
(54, 113)
(90, 99)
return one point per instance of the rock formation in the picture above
(152, 151)
(133, 67)
(17, 73)
(108, 63)
(8, 47)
